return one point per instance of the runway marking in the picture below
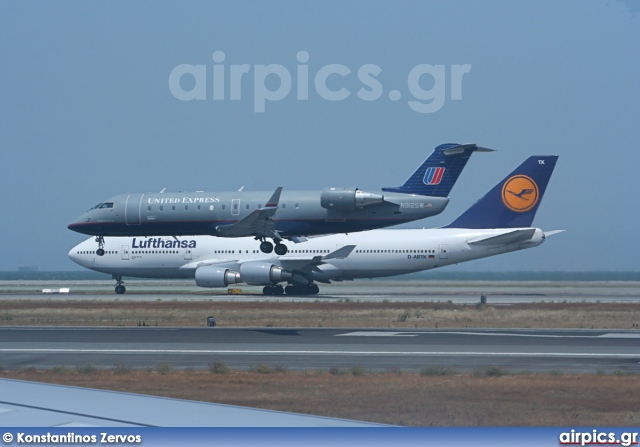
(488, 334)
(621, 335)
(375, 353)
(379, 334)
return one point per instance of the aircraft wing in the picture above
(230, 263)
(258, 223)
(289, 262)
(504, 238)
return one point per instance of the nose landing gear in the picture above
(120, 288)
(100, 250)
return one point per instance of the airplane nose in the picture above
(75, 256)
(80, 225)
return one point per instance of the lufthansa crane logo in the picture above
(520, 193)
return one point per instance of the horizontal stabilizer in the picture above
(504, 238)
(459, 149)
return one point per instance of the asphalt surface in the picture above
(458, 292)
(313, 349)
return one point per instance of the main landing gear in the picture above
(267, 247)
(120, 288)
(277, 289)
(100, 250)
(309, 289)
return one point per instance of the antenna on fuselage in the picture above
(163, 190)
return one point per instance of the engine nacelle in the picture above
(262, 273)
(348, 199)
(212, 276)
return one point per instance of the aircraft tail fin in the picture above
(437, 175)
(513, 202)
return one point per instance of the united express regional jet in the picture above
(279, 215)
(498, 223)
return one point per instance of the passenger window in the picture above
(186, 207)
(224, 207)
(173, 207)
(198, 207)
(149, 208)
(210, 207)
(161, 207)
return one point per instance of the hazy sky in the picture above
(90, 107)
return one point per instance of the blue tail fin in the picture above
(513, 202)
(437, 175)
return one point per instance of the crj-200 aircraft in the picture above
(498, 223)
(280, 215)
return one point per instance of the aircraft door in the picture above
(187, 254)
(444, 251)
(132, 209)
(125, 252)
(235, 207)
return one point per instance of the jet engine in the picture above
(348, 199)
(212, 276)
(263, 273)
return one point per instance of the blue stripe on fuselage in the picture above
(295, 227)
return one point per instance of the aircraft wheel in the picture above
(120, 289)
(278, 290)
(100, 252)
(266, 247)
(267, 290)
(281, 249)
(313, 289)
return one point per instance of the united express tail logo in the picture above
(520, 193)
(433, 176)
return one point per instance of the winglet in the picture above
(340, 253)
(275, 198)
(438, 173)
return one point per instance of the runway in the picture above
(322, 349)
(458, 292)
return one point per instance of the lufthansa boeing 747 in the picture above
(498, 223)
(279, 215)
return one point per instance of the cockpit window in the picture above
(102, 205)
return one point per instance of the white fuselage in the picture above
(377, 253)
